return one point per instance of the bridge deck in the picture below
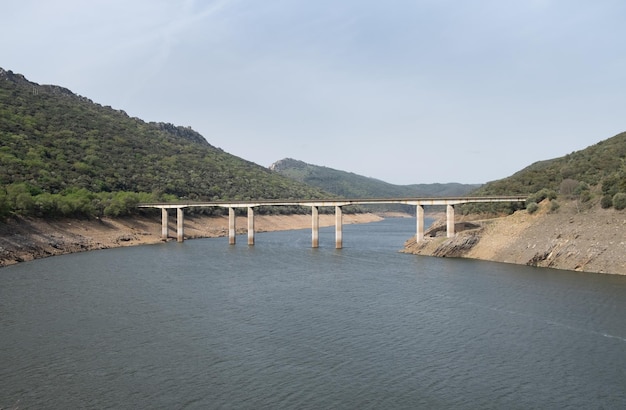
(335, 202)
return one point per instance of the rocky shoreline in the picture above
(24, 239)
(586, 240)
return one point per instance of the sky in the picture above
(419, 91)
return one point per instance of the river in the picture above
(203, 325)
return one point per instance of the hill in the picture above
(574, 217)
(63, 155)
(589, 240)
(602, 165)
(350, 185)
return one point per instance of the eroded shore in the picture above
(572, 238)
(23, 239)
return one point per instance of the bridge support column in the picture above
(338, 227)
(315, 227)
(180, 221)
(164, 222)
(450, 220)
(419, 217)
(250, 226)
(232, 227)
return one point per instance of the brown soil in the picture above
(589, 240)
(23, 239)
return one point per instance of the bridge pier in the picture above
(250, 226)
(232, 227)
(315, 227)
(164, 222)
(315, 204)
(338, 227)
(419, 217)
(180, 221)
(450, 220)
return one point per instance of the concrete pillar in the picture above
(232, 227)
(338, 228)
(250, 226)
(164, 222)
(315, 227)
(419, 217)
(180, 221)
(450, 220)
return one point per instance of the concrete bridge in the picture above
(315, 204)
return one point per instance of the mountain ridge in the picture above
(349, 184)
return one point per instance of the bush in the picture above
(541, 195)
(532, 207)
(606, 201)
(581, 189)
(585, 196)
(610, 185)
(554, 206)
(5, 208)
(619, 201)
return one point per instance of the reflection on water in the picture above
(280, 325)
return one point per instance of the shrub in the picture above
(581, 189)
(585, 196)
(532, 207)
(541, 195)
(606, 201)
(5, 208)
(610, 185)
(554, 205)
(619, 201)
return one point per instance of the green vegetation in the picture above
(63, 155)
(532, 207)
(350, 185)
(619, 201)
(598, 171)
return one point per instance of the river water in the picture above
(202, 325)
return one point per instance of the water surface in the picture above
(280, 325)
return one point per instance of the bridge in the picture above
(315, 204)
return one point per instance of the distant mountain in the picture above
(63, 155)
(350, 185)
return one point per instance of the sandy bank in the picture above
(23, 239)
(572, 238)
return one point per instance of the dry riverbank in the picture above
(590, 240)
(23, 239)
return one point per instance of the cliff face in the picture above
(592, 240)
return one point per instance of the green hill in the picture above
(596, 172)
(63, 155)
(350, 185)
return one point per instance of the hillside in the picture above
(63, 155)
(590, 240)
(575, 216)
(350, 185)
(602, 165)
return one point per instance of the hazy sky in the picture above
(405, 91)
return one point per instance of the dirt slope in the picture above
(592, 240)
(23, 239)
